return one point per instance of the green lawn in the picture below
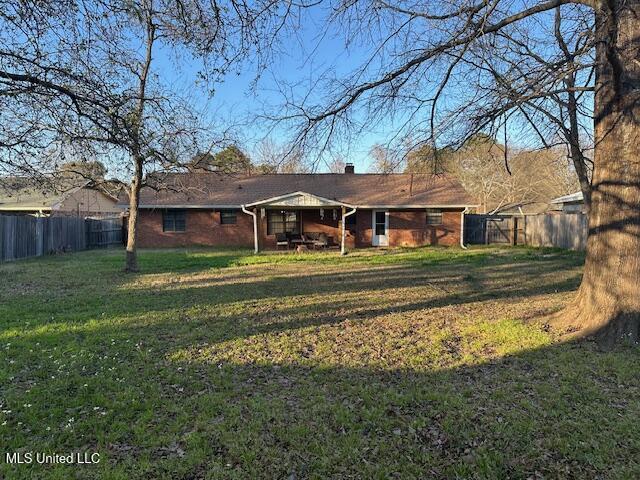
(424, 363)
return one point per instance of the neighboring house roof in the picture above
(526, 208)
(210, 190)
(26, 194)
(571, 198)
(20, 193)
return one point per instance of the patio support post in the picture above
(257, 229)
(254, 214)
(343, 234)
(345, 214)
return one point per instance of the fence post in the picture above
(1, 238)
(485, 224)
(39, 236)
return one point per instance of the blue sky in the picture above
(303, 55)
(236, 98)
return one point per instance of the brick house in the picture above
(218, 209)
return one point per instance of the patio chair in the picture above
(295, 238)
(322, 241)
(311, 236)
(282, 241)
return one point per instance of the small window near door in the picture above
(228, 217)
(174, 221)
(434, 216)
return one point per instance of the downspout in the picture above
(344, 230)
(466, 210)
(255, 228)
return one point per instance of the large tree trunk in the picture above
(131, 262)
(608, 301)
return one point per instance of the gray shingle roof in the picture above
(216, 189)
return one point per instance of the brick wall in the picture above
(409, 228)
(406, 228)
(363, 228)
(202, 228)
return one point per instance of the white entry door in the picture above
(380, 237)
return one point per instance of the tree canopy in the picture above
(230, 159)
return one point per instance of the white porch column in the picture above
(343, 249)
(254, 214)
(343, 233)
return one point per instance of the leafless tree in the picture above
(272, 157)
(336, 164)
(535, 176)
(382, 160)
(83, 76)
(542, 83)
(424, 72)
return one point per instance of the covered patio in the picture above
(294, 214)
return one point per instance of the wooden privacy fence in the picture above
(23, 236)
(561, 230)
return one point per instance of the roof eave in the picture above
(390, 207)
(180, 206)
(273, 201)
(24, 208)
(421, 205)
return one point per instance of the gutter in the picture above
(151, 206)
(255, 227)
(413, 206)
(466, 210)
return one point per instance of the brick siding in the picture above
(202, 228)
(406, 228)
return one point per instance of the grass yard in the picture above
(425, 363)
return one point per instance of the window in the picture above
(380, 222)
(228, 217)
(350, 221)
(174, 221)
(434, 217)
(282, 221)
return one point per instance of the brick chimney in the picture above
(349, 168)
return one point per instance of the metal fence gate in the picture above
(103, 232)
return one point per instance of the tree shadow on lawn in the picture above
(559, 411)
(310, 389)
(185, 259)
(244, 306)
(541, 411)
(82, 278)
